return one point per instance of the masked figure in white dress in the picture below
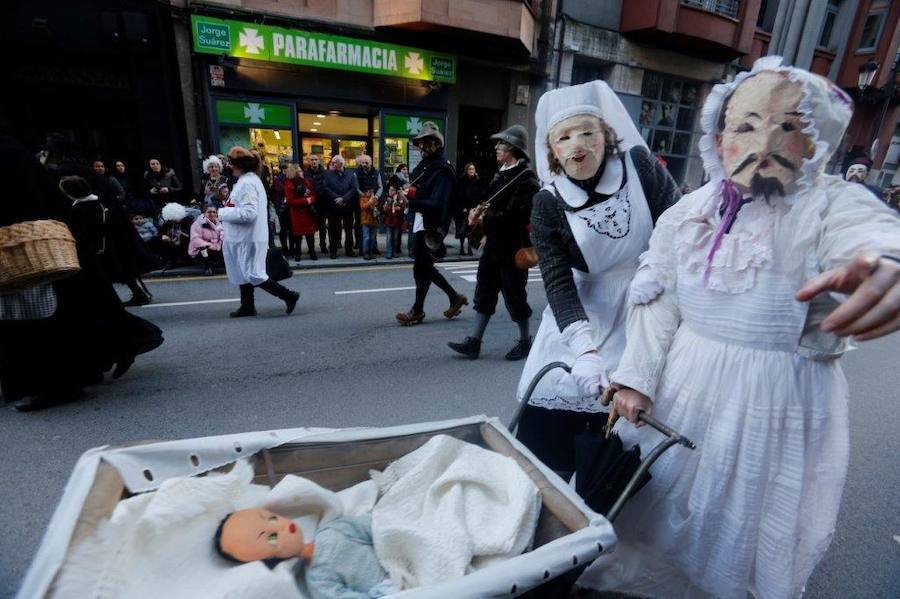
(734, 338)
(603, 191)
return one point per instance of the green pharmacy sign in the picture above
(408, 125)
(253, 113)
(309, 48)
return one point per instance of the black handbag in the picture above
(277, 266)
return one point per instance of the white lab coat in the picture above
(246, 232)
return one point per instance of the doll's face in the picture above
(762, 145)
(579, 145)
(258, 534)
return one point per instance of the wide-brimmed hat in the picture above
(516, 136)
(429, 129)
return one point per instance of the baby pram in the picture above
(569, 534)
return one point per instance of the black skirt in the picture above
(550, 434)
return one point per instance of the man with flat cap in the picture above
(504, 219)
(431, 187)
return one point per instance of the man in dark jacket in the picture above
(340, 190)
(316, 173)
(505, 218)
(429, 199)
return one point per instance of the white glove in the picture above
(589, 373)
(644, 288)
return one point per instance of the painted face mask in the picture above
(579, 145)
(857, 173)
(763, 146)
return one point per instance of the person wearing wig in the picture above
(739, 313)
(247, 236)
(602, 193)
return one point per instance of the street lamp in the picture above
(867, 75)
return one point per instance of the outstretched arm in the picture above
(860, 252)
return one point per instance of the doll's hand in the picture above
(644, 288)
(873, 308)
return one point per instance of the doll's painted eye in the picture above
(788, 126)
(744, 128)
(273, 519)
(273, 538)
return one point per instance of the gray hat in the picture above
(516, 136)
(429, 129)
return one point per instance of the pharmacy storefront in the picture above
(292, 92)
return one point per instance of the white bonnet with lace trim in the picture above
(826, 111)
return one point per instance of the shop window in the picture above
(276, 146)
(396, 151)
(351, 149)
(872, 27)
(666, 121)
(317, 145)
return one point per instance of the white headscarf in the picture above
(595, 98)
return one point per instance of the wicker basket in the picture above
(35, 252)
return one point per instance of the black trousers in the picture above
(497, 273)
(322, 225)
(340, 218)
(272, 287)
(425, 273)
(550, 434)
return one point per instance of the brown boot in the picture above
(411, 318)
(456, 306)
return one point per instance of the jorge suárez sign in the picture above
(310, 48)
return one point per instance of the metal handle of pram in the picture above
(672, 438)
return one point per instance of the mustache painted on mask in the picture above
(754, 157)
(766, 187)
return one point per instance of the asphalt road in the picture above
(340, 360)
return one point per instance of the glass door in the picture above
(332, 133)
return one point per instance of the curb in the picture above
(307, 264)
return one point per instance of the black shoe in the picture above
(470, 348)
(520, 350)
(369, 257)
(291, 302)
(137, 300)
(207, 272)
(122, 367)
(242, 311)
(47, 400)
(313, 256)
(333, 255)
(351, 254)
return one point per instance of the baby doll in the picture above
(340, 562)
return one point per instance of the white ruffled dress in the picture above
(740, 367)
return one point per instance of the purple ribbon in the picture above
(728, 206)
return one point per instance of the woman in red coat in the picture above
(300, 197)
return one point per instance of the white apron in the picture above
(611, 236)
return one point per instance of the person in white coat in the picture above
(244, 218)
(740, 313)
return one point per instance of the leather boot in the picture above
(456, 306)
(289, 297)
(411, 318)
(470, 348)
(248, 307)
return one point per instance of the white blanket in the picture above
(160, 544)
(448, 508)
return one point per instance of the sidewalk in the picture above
(323, 262)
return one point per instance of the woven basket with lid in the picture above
(35, 252)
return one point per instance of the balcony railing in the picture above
(729, 8)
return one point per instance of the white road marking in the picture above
(352, 291)
(215, 301)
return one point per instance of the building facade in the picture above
(837, 38)
(103, 73)
(356, 76)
